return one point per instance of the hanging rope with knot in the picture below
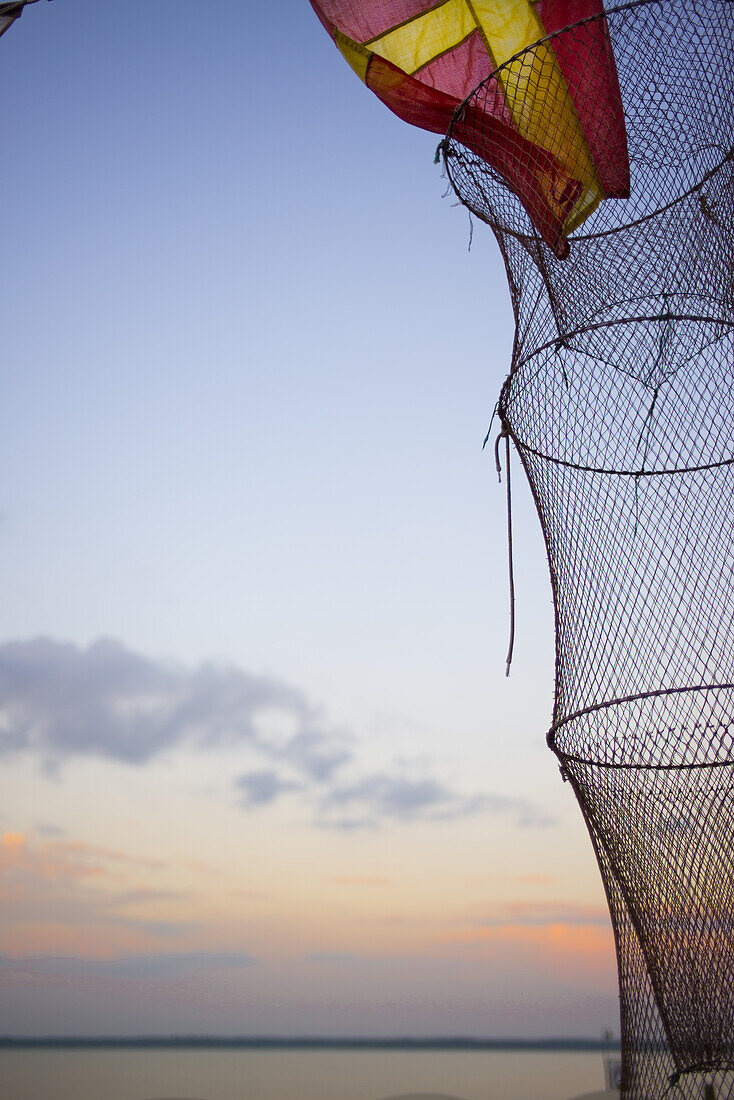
(505, 434)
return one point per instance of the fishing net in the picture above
(10, 11)
(620, 403)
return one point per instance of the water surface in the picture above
(215, 1074)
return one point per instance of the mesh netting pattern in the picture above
(620, 403)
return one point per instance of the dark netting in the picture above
(11, 10)
(621, 405)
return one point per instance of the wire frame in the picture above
(620, 403)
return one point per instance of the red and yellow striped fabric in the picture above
(552, 126)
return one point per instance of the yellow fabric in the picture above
(419, 40)
(358, 57)
(535, 91)
(537, 95)
(507, 26)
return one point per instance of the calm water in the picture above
(294, 1074)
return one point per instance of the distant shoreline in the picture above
(215, 1042)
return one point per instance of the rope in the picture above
(491, 422)
(505, 434)
(674, 1078)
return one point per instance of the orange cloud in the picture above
(55, 860)
(50, 861)
(556, 949)
(12, 841)
(549, 912)
(360, 880)
(65, 895)
(570, 938)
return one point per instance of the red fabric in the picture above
(327, 23)
(430, 98)
(541, 184)
(362, 20)
(536, 177)
(586, 60)
(410, 99)
(460, 70)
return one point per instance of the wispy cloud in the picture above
(69, 883)
(398, 797)
(544, 913)
(262, 788)
(360, 880)
(57, 860)
(60, 701)
(44, 828)
(579, 950)
(401, 796)
(338, 957)
(554, 928)
(135, 967)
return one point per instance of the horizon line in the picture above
(577, 1043)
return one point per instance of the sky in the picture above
(262, 771)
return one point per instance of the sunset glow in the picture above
(262, 770)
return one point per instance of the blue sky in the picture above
(249, 364)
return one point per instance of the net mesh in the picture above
(620, 404)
